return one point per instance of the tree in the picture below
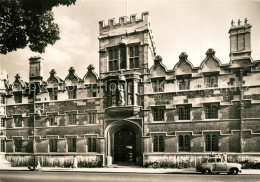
(28, 22)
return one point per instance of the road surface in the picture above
(31, 176)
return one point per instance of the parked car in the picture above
(217, 165)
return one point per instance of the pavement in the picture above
(124, 170)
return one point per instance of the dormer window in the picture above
(158, 84)
(18, 97)
(53, 94)
(72, 92)
(211, 79)
(184, 82)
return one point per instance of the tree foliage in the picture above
(28, 22)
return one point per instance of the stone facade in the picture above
(136, 110)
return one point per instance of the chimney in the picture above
(240, 41)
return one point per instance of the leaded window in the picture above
(53, 144)
(184, 143)
(72, 118)
(113, 59)
(72, 144)
(91, 117)
(184, 112)
(158, 143)
(211, 81)
(211, 142)
(18, 121)
(2, 144)
(18, 97)
(134, 56)
(211, 111)
(92, 144)
(158, 84)
(18, 144)
(158, 114)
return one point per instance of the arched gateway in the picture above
(123, 142)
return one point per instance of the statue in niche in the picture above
(121, 91)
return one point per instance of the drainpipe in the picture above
(241, 109)
(34, 141)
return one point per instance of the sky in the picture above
(191, 26)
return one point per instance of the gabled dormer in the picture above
(90, 77)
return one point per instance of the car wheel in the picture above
(206, 171)
(233, 171)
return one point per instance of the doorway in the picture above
(125, 146)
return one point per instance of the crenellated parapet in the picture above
(123, 21)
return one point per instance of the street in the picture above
(29, 176)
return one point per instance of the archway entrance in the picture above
(123, 143)
(125, 146)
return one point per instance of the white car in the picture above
(217, 165)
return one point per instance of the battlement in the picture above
(123, 21)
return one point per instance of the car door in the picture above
(220, 165)
(212, 163)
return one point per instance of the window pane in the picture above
(136, 51)
(123, 57)
(181, 143)
(110, 55)
(214, 143)
(208, 143)
(155, 144)
(131, 52)
(131, 63)
(181, 114)
(110, 65)
(161, 144)
(136, 62)
(115, 54)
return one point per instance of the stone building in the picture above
(136, 110)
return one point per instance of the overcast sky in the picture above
(178, 26)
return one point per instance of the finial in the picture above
(17, 76)
(91, 67)
(238, 22)
(183, 56)
(210, 51)
(157, 58)
(232, 23)
(53, 71)
(246, 20)
(72, 69)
